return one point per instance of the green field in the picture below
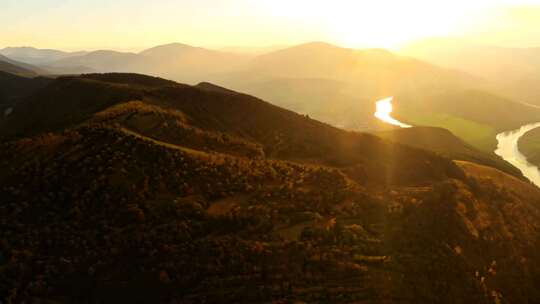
(479, 135)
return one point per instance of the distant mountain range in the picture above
(176, 61)
(515, 72)
(333, 84)
(37, 56)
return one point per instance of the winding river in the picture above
(507, 146)
(508, 149)
(384, 109)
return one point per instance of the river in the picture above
(508, 149)
(384, 109)
(507, 146)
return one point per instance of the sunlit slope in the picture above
(322, 99)
(473, 115)
(340, 86)
(334, 84)
(480, 135)
(377, 70)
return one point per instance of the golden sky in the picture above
(129, 24)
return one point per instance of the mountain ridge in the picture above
(36, 56)
(329, 146)
(18, 68)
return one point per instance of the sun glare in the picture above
(385, 106)
(384, 23)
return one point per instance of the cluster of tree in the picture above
(96, 214)
(100, 204)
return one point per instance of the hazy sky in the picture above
(127, 24)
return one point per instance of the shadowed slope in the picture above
(445, 143)
(15, 88)
(156, 200)
(10, 66)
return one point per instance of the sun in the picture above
(384, 107)
(389, 24)
(383, 23)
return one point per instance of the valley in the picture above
(273, 152)
(507, 146)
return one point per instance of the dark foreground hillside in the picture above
(15, 88)
(138, 190)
